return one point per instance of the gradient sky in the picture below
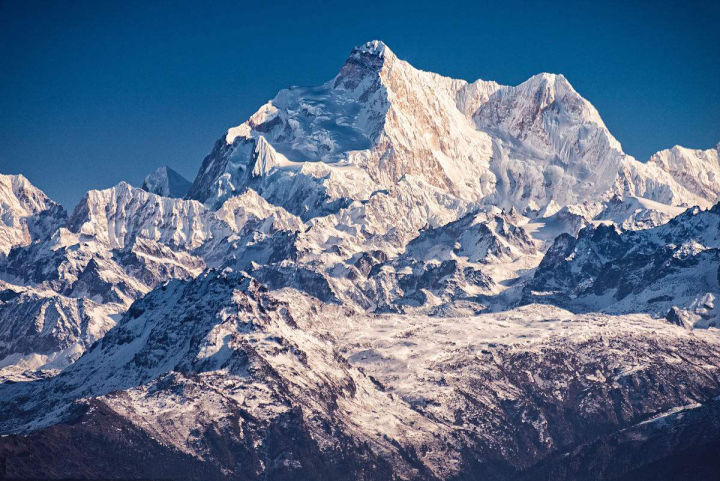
(92, 93)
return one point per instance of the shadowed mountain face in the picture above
(166, 182)
(658, 270)
(393, 275)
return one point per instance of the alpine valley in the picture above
(393, 275)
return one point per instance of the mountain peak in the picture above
(543, 89)
(376, 48)
(166, 182)
(26, 212)
(549, 82)
(547, 77)
(370, 56)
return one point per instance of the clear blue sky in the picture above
(92, 93)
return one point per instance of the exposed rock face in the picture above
(368, 280)
(679, 445)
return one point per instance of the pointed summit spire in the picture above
(373, 54)
(366, 59)
(166, 182)
(376, 48)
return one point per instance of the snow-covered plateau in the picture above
(393, 275)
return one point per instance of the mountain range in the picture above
(393, 275)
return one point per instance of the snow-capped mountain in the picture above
(381, 120)
(658, 270)
(550, 144)
(392, 275)
(166, 182)
(277, 384)
(26, 213)
(377, 121)
(119, 244)
(696, 170)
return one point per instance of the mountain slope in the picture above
(26, 213)
(696, 170)
(222, 370)
(64, 292)
(658, 270)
